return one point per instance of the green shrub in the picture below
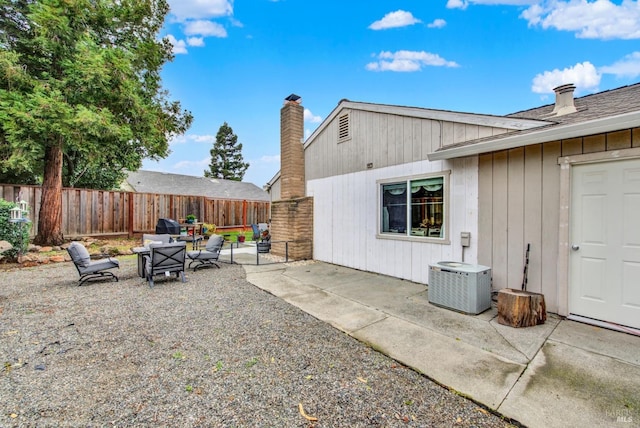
(10, 232)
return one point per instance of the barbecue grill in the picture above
(167, 225)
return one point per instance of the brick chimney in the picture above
(292, 215)
(291, 150)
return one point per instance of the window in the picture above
(343, 128)
(414, 207)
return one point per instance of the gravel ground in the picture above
(212, 352)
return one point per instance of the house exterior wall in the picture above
(383, 140)
(292, 222)
(519, 203)
(346, 220)
(274, 190)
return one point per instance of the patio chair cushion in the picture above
(79, 254)
(256, 232)
(155, 239)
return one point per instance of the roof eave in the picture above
(555, 133)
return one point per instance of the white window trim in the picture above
(446, 174)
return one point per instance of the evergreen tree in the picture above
(80, 85)
(226, 156)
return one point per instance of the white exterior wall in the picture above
(346, 209)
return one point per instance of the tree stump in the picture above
(517, 308)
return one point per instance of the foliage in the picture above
(191, 218)
(226, 156)
(14, 233)
(79, 172)
(80, 85)
(210, 228)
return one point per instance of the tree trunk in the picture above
(50, 219)
(517, 308)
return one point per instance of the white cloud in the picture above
(193, 138)
(204, 28)
(195, 41)
(629, 66)
(462, 4)
(396, 19)
(588, 19)
(583, 75)
(270, 159)
(236, 23)
(309, 117)
(183, 10)
(599, 19)
(505, 2)
(179, 46)
(437, 23)
(190, 166)
(457, 4)
(407, 61)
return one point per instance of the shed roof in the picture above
(162, 182)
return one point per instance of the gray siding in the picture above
(519, 203)
(274, 191)
(383, 140)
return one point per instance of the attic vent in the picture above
(343, 128)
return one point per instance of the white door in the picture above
(605, 242)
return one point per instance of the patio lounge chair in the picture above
(88, 269)
(209, 256)
(165, 258)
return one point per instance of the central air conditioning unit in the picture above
(460, 286)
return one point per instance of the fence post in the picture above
(244, 213)
(130, 215)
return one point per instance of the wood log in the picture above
(517, 308)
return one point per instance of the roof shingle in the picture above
(177, 184)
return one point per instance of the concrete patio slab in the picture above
(465, 368)
(559, 374)
(569, 386)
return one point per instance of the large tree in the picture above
(80, 82)
(226, 156)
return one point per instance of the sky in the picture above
(236, 62)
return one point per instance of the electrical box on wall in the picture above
(465, 239)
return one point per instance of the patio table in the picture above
(141, 252)
(194, 234)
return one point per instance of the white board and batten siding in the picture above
(344, 180)
(346, 221)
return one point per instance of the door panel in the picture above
(605, 238)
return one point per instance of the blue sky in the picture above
(236, 61)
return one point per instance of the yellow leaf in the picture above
(13, 415)
(307, 417)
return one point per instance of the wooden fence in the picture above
(87, 212)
